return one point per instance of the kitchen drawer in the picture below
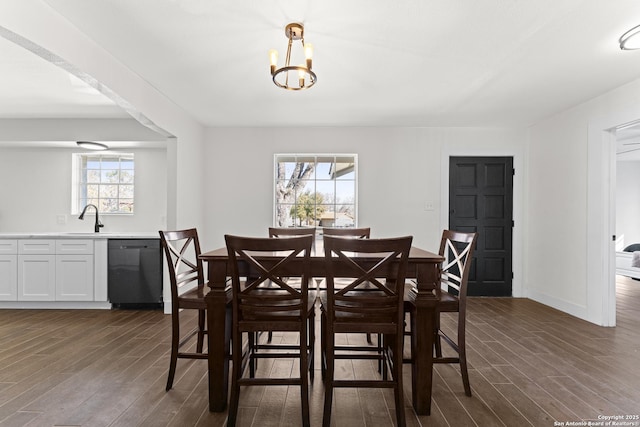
(36, 247)
(8, 247)
(74, 246)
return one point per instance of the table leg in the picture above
(422, 367)
(219, 332)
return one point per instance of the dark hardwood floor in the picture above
(529, 365)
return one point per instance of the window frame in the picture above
(79, 182)
(278, 156)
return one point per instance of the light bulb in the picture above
(273, 58)
(308, 54)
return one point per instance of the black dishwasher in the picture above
(135, 273)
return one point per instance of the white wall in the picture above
(628, 201)
(569, 252)
(399, 169)
(36, 188)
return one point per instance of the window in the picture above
(315, 190)
(104, 180)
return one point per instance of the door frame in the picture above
(517, 153)
(601, 215)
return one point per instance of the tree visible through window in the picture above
(104, 180)
(315, 190)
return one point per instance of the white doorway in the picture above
(601, 215)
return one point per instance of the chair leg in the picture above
(311, 343)
(235, 377)
(201, 329)
(462, 354)
(175, 342)
(397, 376)
(253, 340)
(437, 342)
(328, 385)
(323, 345)
(304, 380)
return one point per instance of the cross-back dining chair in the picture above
(291, 231)
(371, 301)
(457, 249)
(263, 301)
(357, 232)
(182, 251)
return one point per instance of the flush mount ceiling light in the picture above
(293, 77)
(631, 39)
(89, 145)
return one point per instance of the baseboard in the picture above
(575, 310)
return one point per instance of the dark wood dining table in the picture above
(424, 267)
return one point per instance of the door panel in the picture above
(481, 200)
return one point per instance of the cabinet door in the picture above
(36, 277)
(74, 278)
(8, 277)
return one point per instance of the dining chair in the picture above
(358, 232)
(371, 302)
(264, 302)
(291, 231)
(182, 250)
(457, 249)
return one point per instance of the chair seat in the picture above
(193, 298)
(447, 302)
(369, 322)
(268, 316)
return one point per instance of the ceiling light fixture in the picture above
(92, 145)
(302, 76)
(631, 39)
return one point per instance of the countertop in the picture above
(81, 235)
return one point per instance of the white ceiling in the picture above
(379, 62)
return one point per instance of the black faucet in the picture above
(96, 228)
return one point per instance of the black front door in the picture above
(481, 200)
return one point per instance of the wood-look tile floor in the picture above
(530, 365)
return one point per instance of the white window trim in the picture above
(276, 156)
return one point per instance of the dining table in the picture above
(423, 268)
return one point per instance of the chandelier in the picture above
(293, 77)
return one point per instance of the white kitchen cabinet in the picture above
(74, 277)
(74, 270)
(36, 270)
(36, 277)
(8, 270)
(55, 270)
(8, 277)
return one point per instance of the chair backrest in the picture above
(457, 249)
(291, 231)
(260, 270)
(375, 270)
(182, 250)
(361, 233)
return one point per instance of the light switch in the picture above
(62, 219)
(429, 206)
